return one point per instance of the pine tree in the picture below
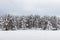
(8, 23)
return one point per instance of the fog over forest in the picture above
(28, 7)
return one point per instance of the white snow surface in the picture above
(29, 35)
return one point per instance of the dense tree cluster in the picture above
(9, 22)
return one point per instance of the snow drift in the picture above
(29, 35)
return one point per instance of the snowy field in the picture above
(29, 35)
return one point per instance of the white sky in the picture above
(27, 7)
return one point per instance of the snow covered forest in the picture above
(32, 22)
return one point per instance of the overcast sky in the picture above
(28, 7)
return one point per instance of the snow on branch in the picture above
(32, 22)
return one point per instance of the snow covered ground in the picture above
(29, 35)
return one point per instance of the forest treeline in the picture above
(10, 22)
